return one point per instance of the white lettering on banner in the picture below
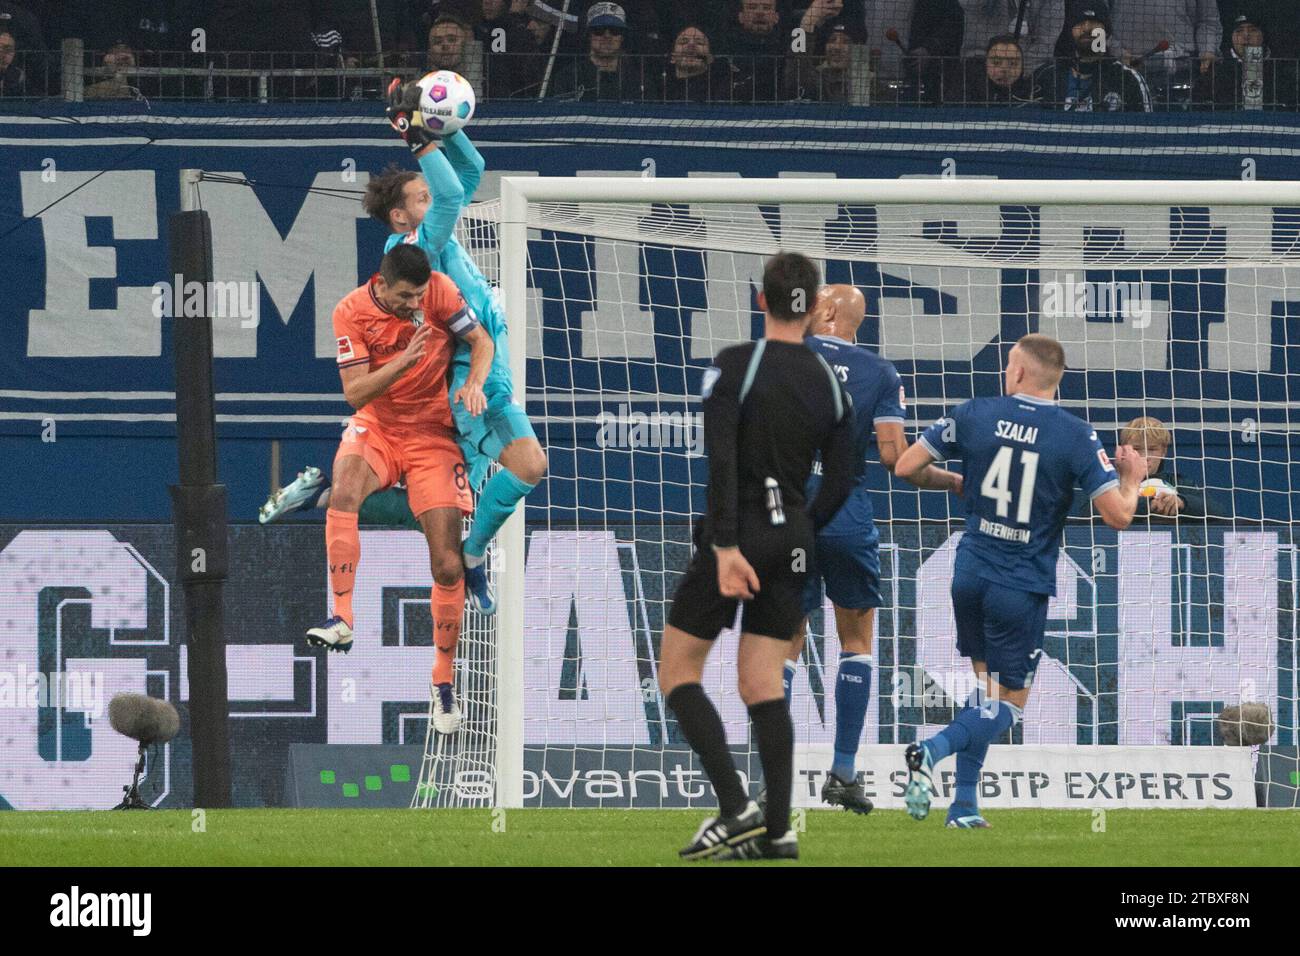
(1056, 777)
(1052, 714)
(1154, 675)
(116, 577)
(1104, 345)
(372, 674)
(1243, 341)
(729, 278)
(321, 245)
(617, 325)
(68, 327)
(909, 327)
(578, 576)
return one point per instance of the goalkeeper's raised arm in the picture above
(423, 210)
(452, 173)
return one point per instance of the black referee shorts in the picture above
(779, 555)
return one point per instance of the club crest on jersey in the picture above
(345, 348)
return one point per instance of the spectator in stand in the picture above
(936, 29)
(503, 33)
(23, 25)
(1229, 84)
(645, 34)
(1151, 439)
(849, 16)
(34, 71)
(13, 81)
(757, 43)
(541, 24)
(1189, 27)
(694, 74)
(1090, 79)
(606, 72)
(448, 39)
(986, 19)
(824, 74)
(1000, 78)
(934, 42)
(120, 85)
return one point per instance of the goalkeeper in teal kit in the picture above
(423, 211)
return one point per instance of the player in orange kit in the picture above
(396, 335)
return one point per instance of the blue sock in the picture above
(496, 503)
(852, 694)
(787, 679)
(969, 764)
(974, 727)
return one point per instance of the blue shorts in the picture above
(849, 564)
(482, 438)
(999, 625)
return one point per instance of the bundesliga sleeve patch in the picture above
(902, 397)
(1104, 459)
(345, 348)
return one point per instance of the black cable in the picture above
(321, 190)
(36, 215)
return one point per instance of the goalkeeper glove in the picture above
(404, 115)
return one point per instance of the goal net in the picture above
(1175, 302)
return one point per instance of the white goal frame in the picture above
(519, 193)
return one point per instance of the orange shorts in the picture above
(432, 464)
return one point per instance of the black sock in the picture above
(703, 730)
(775, 734)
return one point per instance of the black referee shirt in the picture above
(769, 408)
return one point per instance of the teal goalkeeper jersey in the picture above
(453, 173)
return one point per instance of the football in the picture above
(446, 101)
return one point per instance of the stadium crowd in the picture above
(1061, 54)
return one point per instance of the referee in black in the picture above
(769, 407)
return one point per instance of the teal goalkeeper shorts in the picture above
(482, 438)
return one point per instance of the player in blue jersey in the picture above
(1022, 455)
(847, 553)
(423, 210)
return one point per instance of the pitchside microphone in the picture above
(143, 718)
(148, 721)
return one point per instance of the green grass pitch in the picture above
(634, 838)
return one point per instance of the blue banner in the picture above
(85, 196)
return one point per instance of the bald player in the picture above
(847, 553)
(1022, 455)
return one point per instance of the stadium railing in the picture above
(864, 79)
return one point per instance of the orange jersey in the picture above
(370, 335)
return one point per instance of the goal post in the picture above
(629, 285)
